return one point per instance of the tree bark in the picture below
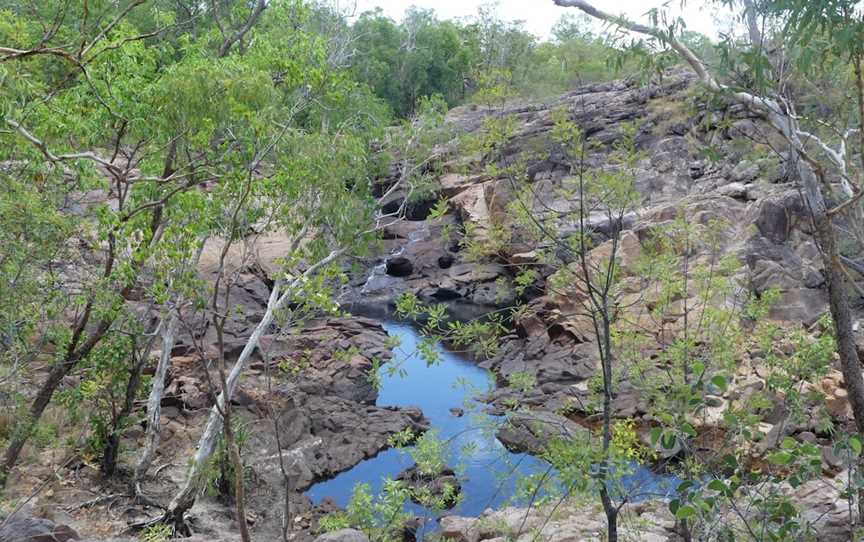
(112, 447)
(154, 401)
(229, 41)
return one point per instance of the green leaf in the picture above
(855, 444)
(668, 440)
(688, 429)
(717, 485)
(780, 458)
(720, 382)
(685, 512)
(789, 443)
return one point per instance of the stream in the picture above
(486, 470)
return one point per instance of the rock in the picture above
(442, 485)
(446, 261)
(734, 190)
(399, 267)
(568, 523)
(29, 529)
(807, 436)
(522, 258)
(343, 535)
(744, 172)
(532, 431)
(459, 529)
(831, 459)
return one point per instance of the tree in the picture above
(814, 157)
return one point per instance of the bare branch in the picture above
(250, 22)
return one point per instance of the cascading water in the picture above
(379, 271)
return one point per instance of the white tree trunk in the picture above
(154, 401)
(185, 497)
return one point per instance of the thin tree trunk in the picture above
(112, 447)
(185, 498)
(609, 507)
(154, 401)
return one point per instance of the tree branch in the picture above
(250, 22)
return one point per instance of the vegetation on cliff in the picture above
(187, 188)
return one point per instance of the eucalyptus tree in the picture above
(816, 157)
(80, 117)
(141, 145)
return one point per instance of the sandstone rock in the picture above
(532, 431)
(29, 529)
(734, 190)
(744, 171)
(343, 535)
(459, 529)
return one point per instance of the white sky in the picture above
(540, 15)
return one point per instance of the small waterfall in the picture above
(379, 270)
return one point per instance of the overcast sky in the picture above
(540, 15)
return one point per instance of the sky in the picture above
(540, 15)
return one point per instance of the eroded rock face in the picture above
(29, 529)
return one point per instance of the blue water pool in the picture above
(486, 470)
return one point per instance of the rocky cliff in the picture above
(746, 187)
(705, 163)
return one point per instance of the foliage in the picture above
(158, 532)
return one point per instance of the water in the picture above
(488, 472)
(378, 278)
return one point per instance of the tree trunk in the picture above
(611, 515)
(185, 498)
(154, 401)
(43, 398)
(112, 447)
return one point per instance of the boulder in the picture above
(343, 535)
(744, 171)
(399, 267)
(29, 529)
(532, 431)
(446, 261)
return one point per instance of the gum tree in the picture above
(815, 157)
